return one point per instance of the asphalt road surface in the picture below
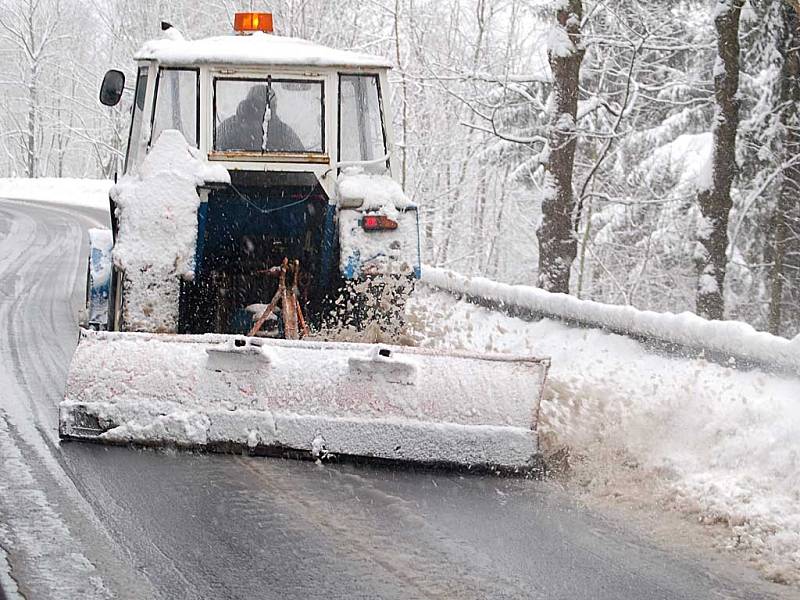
(83, 520)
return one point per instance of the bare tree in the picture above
(557, 242)
(715, 202)
(31, 27)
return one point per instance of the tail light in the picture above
(377, 223)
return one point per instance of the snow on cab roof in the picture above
(258, 49)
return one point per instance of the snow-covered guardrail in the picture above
(726, 342)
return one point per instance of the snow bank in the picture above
(413, 404)
(720, 445)
(731, 338)
(157, 215)
(92, 193)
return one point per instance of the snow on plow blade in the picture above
(320, 398)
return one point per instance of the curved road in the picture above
(88, 521)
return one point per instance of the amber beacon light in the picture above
(248, 22)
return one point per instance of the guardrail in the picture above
(730, 343)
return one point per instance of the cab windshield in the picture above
(268, 116)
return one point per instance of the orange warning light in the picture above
(248, 22)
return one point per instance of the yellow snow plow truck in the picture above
(258, 202)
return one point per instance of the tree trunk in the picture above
(403, 96)
(557, 241)
(787, 205)
(33, 96)
(715, 203)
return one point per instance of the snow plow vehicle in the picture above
(259, 211)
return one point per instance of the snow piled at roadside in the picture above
(719, 445)
(734, 338)
(91, 193)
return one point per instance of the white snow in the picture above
(174, 34)
(414, 404)
(387, 368)
(687, 159)
(749, 14)
(558, 42)
(704, 176)
(91, 193)
(7, 584)
(265, 127)
(45, 551)
(707, 283)
(371, 192)
(319, 448)
(719, 445)
(157, 213)
(258, 49)
(687, 329)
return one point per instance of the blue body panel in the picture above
(328, 246)
(199, 251)
(227, 217)
(101, 245)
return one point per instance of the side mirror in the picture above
(112, 88)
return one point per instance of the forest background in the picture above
(640, 152)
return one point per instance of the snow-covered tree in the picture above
(32, 31)
(715, 201)
(557, 243)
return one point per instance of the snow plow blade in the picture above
(318, 399)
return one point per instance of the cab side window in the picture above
(361, 134)
(135, 142)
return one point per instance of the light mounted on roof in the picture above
(248, 22)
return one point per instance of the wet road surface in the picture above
(83, 520)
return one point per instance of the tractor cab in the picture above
(304, 132)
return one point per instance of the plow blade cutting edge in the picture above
(319, 398)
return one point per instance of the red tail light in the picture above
(377, 223)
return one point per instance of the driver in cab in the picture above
(245, 130)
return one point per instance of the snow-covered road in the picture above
(88, 521)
